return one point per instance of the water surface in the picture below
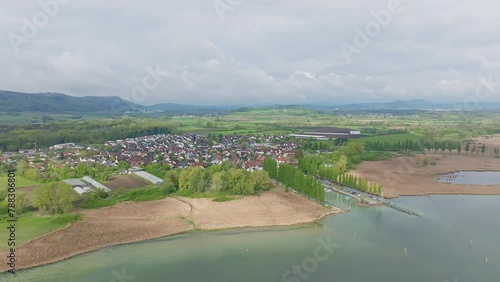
(471, 178)
(371, 247)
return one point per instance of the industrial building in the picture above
(78, 186)
(149, 177)
(95, 184)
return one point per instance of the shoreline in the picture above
(406, 176)
(120, 224)
(442, 193)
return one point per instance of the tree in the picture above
(171, 181)
(22, 165)
(168, 185)
(236, 180)
(483, 149)
(467, 147)
(271, 166)
(341, 164)
(259, 180)
(219, 181)
(450, 146)
(81, 169)
(299, 154)
(22, 202)
(459, 147)
(31, 174)
(54, 197)
(197, 180)
(184, 179)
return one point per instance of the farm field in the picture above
(30, 227)
(382, 126)
(127, 182)
(20, 181)
(392, 138)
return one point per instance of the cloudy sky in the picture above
(258, 52)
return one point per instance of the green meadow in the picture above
(392, 138)
(21, 182)
(30, 226)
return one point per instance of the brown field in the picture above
(126, 181)
(491, 143)
(28, 191)
(407, 176)
(122, 223)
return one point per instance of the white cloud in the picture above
(263, 52)
(454, 86)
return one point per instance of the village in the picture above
(176, 151)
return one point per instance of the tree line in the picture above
(15, 137)
(220, 178)
(431, 145)
(54, 172)
(293, 177)
(337, 172)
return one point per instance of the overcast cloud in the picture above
(280, 51)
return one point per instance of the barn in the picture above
(78, 186)
(149, 177)
(95, 184)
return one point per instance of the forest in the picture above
(14, 137)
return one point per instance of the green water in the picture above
(371, 244)
(471, 177)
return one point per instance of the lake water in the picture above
(370, 247)
(471, 178)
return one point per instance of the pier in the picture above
(370, 200)
(401, 209)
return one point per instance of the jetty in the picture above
(401, 209)
(370, 200)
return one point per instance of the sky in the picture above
(234, 52)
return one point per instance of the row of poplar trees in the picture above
(293, 177)
(311, 165)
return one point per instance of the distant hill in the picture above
(61, 103)
(396, 105)
(417, 104)
(172, 108)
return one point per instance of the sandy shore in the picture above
(405, 176)
(133, 222)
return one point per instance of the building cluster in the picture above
(177, 151)
(85, 185)
(181, 151)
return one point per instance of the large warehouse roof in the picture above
(75, 182)
(149, 177)
(95, 184)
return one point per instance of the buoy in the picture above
(486, 259)
(405, 251)
(470, 242)
(247, 250)
(355, 233)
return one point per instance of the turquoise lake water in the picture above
(369, 246)
(471, 178)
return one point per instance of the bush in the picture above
(100, 194)
(68, 218)
(144, 195)
(95, 203)
(222, 199)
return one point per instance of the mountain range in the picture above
(61, 103)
